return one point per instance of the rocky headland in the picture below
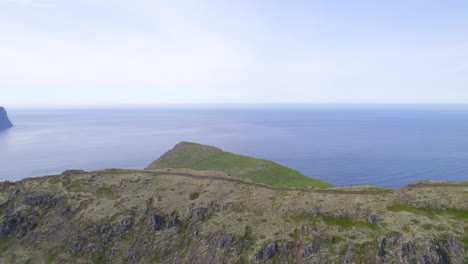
(4, 121)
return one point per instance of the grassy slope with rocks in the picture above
(200, 157)
(191, 216)
(183, 216)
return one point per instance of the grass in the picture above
(194, 196)
(336, 240)
(465, 243)
(184, 155)
(312, 219)
(55, 180)
(244, 260)
(430, 227)
(347, 223)
(199, 157)
(429, 212)
(51, 258)
(257, 170)
(5, 242)
(107, 192)
(73, 186)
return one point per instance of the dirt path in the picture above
(212, 177)
(275, 188)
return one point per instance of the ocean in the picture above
(387, 146)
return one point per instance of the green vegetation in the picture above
(73, 186)
(336, 240)
(200, 157)
(429, 212)
(55, 180)
(244, 260)
(51, 258)
(5, 242)
(107, 192)
(465, 243)
(346, 223)
(305, 218)
(184, 155)
(194, 196)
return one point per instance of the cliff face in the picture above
(189, 216)
(4, 121)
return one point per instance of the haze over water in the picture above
(387, 146)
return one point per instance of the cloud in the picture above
(29, 3)
(20, 2)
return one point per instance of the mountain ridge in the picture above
(182, 215)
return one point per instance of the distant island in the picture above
(199, 204)
(4, 121)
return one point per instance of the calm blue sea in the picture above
(388, 146)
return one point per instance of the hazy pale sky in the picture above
(103, 52)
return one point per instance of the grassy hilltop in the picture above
(182, 215)
(200, 157)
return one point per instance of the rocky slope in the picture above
(4, 121)
(191, 216)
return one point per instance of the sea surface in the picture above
(387, 146)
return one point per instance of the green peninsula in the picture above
(200, 157)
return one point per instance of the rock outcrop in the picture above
(4, 121)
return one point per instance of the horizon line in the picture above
(218, 105)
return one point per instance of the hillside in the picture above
(131, 216)
(181, 215)
(200, 157)
(4, 121)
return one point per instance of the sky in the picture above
(142, 52)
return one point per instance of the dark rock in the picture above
(310, 249)
(157, 222)
(373, 219)
(393, 246)
(199, 214)
(67, 210)
(127, 223)
(77, 244)
(18, 225)
(6, 184)
(174, 222)
(267, 252)
(10, 225)
(224, 240)
(212, 248)
(4, 121)
(38, 200)
(104, 228)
